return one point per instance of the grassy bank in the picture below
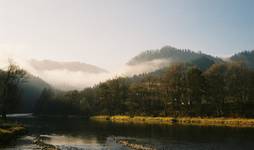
(9, 131)
(230, 122)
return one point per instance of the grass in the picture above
(135, 119)
(9, 131)
(229, 122)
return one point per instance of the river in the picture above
(82, 134)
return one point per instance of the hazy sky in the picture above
(108, 33)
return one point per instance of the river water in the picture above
(81, 134)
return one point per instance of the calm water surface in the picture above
(81, 134)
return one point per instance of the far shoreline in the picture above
(192, 121)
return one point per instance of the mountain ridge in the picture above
(246, 57)
(201, 60)
(174, 55)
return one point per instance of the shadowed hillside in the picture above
(31, 90)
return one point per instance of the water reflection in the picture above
(81, 133)
(70, 140)
(70, 143)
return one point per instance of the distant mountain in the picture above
(49, 65)
(246, 57)
(174, 55)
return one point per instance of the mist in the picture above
(145, 67)
(64, 79)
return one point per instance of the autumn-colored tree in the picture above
(195, 91)
(175, 84)
(238, 82)
(215, 77)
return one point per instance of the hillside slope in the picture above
(31, 90)
(174, 55)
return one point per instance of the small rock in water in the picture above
(134, 146)
(44, 146)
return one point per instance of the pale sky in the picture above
(107, 33)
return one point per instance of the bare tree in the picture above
(10, 81)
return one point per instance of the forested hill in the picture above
(246, 57)
(216, 88)
(19, 92)
(174, 55)
(31, 90)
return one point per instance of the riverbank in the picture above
(10, 131)
(228, 122)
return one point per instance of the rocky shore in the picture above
(10, 131)
(44, 146)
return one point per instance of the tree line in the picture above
(224, 89)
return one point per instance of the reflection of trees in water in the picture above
(82, 129)
(77, 127)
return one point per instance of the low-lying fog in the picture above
(69, 75)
